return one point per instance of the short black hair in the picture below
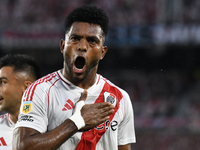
(90, 14)
(21, 62)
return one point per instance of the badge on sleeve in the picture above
(109, 97)
(26, 108)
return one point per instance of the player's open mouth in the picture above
(79, 64)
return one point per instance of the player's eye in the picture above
(2, 82)
(74, 38)
(92, 41)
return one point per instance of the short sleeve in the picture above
(33, 109)
(126, 128)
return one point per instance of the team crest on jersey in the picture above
(109, 97)
(26, 108)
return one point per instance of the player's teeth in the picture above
(78, 69)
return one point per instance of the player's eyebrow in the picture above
(80, 36)
(76, 35)
(3, 78)
(93, 37)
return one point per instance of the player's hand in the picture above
(95, 114)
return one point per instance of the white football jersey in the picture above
(50, 101)
(6, 132)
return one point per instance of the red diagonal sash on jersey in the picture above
(90, 138)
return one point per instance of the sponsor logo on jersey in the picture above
(26, 118)
(26, 108)
(2, 142)
(113, 125)
(109, 97)
(69, 105)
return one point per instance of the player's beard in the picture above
(89, 68)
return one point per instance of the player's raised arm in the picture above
(92, 114)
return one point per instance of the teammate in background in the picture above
(17, 72)
(50, 122)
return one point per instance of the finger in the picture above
(107, 113)
(103, 119)
(105, 109)
(83, 96)
(103, 105)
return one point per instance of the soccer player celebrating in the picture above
(47, 119)
(17, 72)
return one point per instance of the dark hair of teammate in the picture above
(21, 62)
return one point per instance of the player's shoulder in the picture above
(47, 80)
(41, 85)
(123, 92)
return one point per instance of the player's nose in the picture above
(83, 45)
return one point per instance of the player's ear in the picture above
(27, 84)
(104, 51)
(62, 45)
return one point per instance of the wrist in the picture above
(76, 117)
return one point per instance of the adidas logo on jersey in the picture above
(69, 105)
(109, 97)
(2, 142)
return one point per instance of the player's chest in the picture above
(61, 105)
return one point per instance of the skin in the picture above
(124, 147)
(12, 86)
(83, 40)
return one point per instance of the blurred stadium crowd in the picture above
(132, 22)
(162, 99)
(123, 12)
(166, 101)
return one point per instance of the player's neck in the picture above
(14, 118)
(87, 83)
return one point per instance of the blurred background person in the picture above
(17, 72)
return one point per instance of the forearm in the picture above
(124, 147)
(46, 141)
